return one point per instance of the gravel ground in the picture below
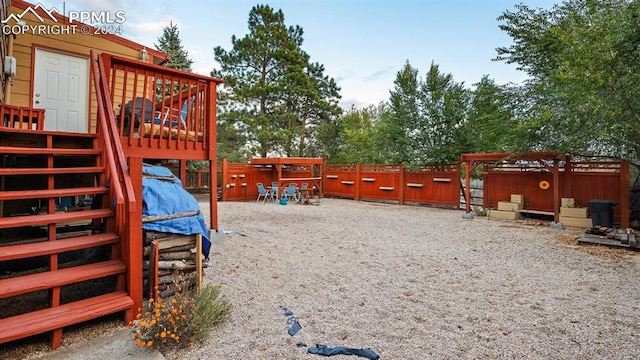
(414, 283)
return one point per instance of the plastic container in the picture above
(283, 201)
(602, 212)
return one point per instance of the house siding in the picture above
(4, 40)
(73, 44)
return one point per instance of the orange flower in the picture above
(149, 343)
(163, 334)
(139, 316)
(150, 300)
(137, 342)
(142, 343)
(174, 311)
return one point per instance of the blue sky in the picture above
(362, 44)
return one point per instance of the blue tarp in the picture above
(167, 197)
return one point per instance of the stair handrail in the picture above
(107, 141)
(116, 159)
(115, 138)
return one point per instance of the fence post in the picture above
(401, 185)
(625, 194)
(357, 195)
(223, 180)
(556, 190)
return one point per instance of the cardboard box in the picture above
(509, 206)
(515, 198)
(575, 222)
(574, 212)
(568, 202)
(498, 214)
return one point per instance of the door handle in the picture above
(37, 101)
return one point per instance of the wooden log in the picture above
(167, 279)
(148, 219)
(165, 272)
(188, 247)
(176, 255)
(170, 243)
(177, 265)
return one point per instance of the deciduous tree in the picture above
(583, 57)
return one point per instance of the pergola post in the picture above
(556, 190)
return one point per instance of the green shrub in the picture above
(181, 320)
(479, 211)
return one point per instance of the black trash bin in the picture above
(602, 212)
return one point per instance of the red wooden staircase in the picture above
(70, 256)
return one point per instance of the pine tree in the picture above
(272, 90)
(170, 44)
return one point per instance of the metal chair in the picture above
(263, 193)
(291, 192)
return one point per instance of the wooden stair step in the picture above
(38, 194)
(44, 219)
(52, 171)
(38, 322)
(56, 278)
(47, 151)
(22, 251)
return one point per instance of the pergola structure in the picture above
(316, 168)
(550, 161)
(473, 160)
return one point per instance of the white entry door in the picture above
(61, 87)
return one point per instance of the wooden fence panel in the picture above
(380, 182)
(437, 184)
(340, 181)
(239, 182)
(434, 185)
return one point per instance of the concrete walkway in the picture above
(113, 346)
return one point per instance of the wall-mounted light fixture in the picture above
(144, 54)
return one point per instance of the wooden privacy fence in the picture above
(434, 184)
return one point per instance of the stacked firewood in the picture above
(177, 262)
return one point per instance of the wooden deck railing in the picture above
(19, 117)
(160, 112)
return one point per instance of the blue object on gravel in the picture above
(291, 320)
(324, 350)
